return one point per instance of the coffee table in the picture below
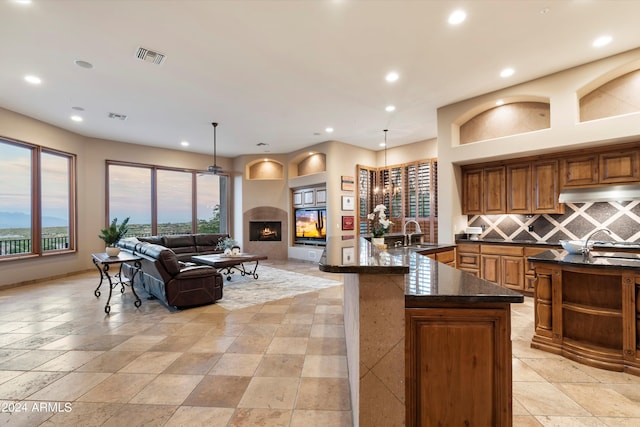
(228, 263)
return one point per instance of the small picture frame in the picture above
(348, 222)
(348, 203)
(348, 183)
(348, 255)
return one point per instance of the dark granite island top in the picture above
(424, 278)
(597, 259)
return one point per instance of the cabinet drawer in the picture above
(466, 260)
(502, 250)
(446, 257)
(468, 247)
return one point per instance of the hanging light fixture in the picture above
(391, 189)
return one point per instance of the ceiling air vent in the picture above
(147, 55)
(117, 116)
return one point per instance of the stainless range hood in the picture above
(609, 193)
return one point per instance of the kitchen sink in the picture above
(616, 258)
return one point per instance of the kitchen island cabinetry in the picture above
(587, 310)
(468, 258)
(503, 265)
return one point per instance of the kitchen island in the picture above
(587, 308)
(426, 344)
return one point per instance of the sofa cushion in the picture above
(207, 242)
(180, 243)
(164, 255)
(156, 240)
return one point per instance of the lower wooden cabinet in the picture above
(468, 258)
(445, 257)
(476, 340)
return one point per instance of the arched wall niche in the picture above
(615, 93)
(265, 169)
(308, 164)
(514, 116)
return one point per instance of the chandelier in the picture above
(390, 189)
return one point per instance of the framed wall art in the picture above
(348, 203)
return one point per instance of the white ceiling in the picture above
(280, 72)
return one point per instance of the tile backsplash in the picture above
(579, 219)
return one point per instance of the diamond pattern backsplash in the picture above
(579, 219)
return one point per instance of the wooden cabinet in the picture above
(446, 257)
(544, 175)
(308, 197)
(472, 191)
(529, 272)
(503, 265)
(475, 339)
(589, 315)
(618, 167)
(519, 192)
(468, 258)
(494, 181)
(579, 171)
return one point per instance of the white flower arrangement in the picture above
(379, 222)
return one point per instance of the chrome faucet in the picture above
(404, 231)
(585, 249)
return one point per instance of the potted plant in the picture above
(380, 224)
(228, 245)
(112, 234)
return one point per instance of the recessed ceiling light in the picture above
(507, 72)
(602, 41)
(382, 144)
(390, 108)
(392, 76)
(185, 143)
(328, 130)
(311, 153)
(500, 102)
(33, 80)
(457, 17)
(22, 1)
(83, 64)
(266, 160)
(76, 118)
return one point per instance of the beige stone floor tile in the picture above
(260, 329)
(293, 330)
(139, 343)
(280, 365)
(522, 349)
(559, 370)
(330, 394)
(110, 361)
(249, 344)
(70, 387)
(34, 342)
(30, 360)
(525, 421)
(141, 416)
(542, 398)
(620, 421)
(328, 318)
(324, 366)
(84, 414)
(327, 330)
(260, 417)
(27, 418)
(167, 389)
(630, 391)
(312, 418)
(151, 362)
(175, 343)
(609, 377)
(6, 339)
(270, 393)
(7, 375)
(218, 391)
(70, 360)
(26, 384)
(117, 388)
(34, 328)
(521, 371)
(517, 408)
(301, 309)
(288, 345)
(193, 416)
(274, 308)
(239, 316)
(328, 309)
(262, 317)
(601, 400)
(556, 421)
(193, 363)
(298, 318)
(236, 364)
(226, 330)
(212, 344)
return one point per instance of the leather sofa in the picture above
(187, 245)
(175, 283)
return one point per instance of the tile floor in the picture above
(64, 362)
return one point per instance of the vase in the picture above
(112, 250)
(378, 242)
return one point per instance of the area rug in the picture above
(272, 284)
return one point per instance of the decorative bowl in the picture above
(574, 246)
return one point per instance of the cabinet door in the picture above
(512, 273)
(472, 191)
(579, 171)
(297, 198)
(495, 190)
(544, 175)
(619, 166)
(491, 268)
(519, 188)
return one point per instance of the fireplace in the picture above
(265, 231)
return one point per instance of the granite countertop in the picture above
(597, 259)
(425, 279)
(596, 243)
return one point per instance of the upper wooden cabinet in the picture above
(494, 190)
(545, 186)
(472, 191)
(619, 166)
(519, 188)
(579, 171)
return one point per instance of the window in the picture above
(162, 201)
(37, 214)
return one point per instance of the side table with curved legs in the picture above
(102, 261)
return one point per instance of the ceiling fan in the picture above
(215, 169)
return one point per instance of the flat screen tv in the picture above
(311, 224)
